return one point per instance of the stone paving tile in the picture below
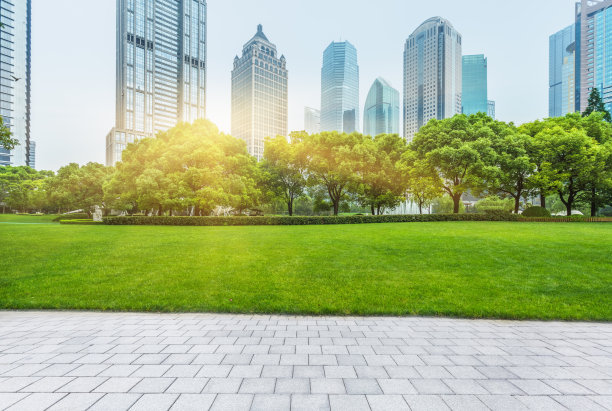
(114, 361)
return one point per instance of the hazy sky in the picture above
(73, 57)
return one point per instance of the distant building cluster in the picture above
(580, 59)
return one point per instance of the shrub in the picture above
(83, 221)
(299, 220)
(536, 212)
(494, 204)
(73, 216)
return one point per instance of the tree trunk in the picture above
(161, 210)
(456, 202)
(517, 201)
(170, 212)
(420, 207)
(372, 209)
(336, 206)
(542, 200)
(196, 210)
(290, 207)
(569, 208)
(378, 210)
(593, 202)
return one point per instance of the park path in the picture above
(115, 361)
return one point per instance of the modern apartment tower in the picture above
(562, 72)
(594, 51)
(161, 69)
(312, 120)
(381, 112)
(474, 95)
(491, 109)
(340, 88)
(15, 78)
(432, 74)
(259, 93)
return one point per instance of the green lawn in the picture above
(466, 269)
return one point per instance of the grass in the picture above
(464, 269)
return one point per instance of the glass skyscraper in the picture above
(340, 88)
(594, 51)
(15, 78)
(491, 109)
(432, 74)
(259, 93)
(161, 69)
(312, 120)
(561, 72)
(474, 84)
(381, 111)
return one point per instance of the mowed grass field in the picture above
(464, 269)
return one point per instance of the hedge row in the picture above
(81, 222)
(299, 220)
(73, 216)
(567, 219)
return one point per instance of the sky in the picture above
(73, 57)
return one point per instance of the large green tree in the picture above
(422, 187)
(75, 187)
(6, 140)
(596, 105)
(458, 151)
(282, 169)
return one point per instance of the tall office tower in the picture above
(381, 112)
(32, 154)
(561, 72)
(491, 109)
(312, 120)
(474, 84)
(340, 88)
(259, 93)
(432, 74)
(594, 41)
(15, 78)
(161, 69)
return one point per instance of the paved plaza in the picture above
(119, 361)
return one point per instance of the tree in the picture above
(22, 188)
(283, 172)
(6, 141)
(75, 187)
(421, 186)
(378, 172)
(596, 104)
(458, 152)
(330, 160)
(571, 158)
(513, 175)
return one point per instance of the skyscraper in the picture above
(561, 72)
(474, 84)
(381, 112)
(340, 88)
(432, 74)
(259, 93)
(312, 120)
(161, 69)
(594, 41)
(15, 78)
(491, 109)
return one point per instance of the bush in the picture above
(536, 212)
(83, 221)
(494, 204)
(73, 216)
(298, 220)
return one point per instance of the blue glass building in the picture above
(474, 84)
(340, 88)
(594, 51)
(561, 72)
(381, 111)
(15, 78)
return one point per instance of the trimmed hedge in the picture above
(566, 219)
(85, 221)
(73, 216)
(536, 212)
(300, 220)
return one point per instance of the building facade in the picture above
(381, 112)
(474, 95)
(594, 48)
(340, 88)
(161, 69)
(432, 74)
(15, 78)
(491, 109)
(561, 72)
(312, 120)
(259, 93)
